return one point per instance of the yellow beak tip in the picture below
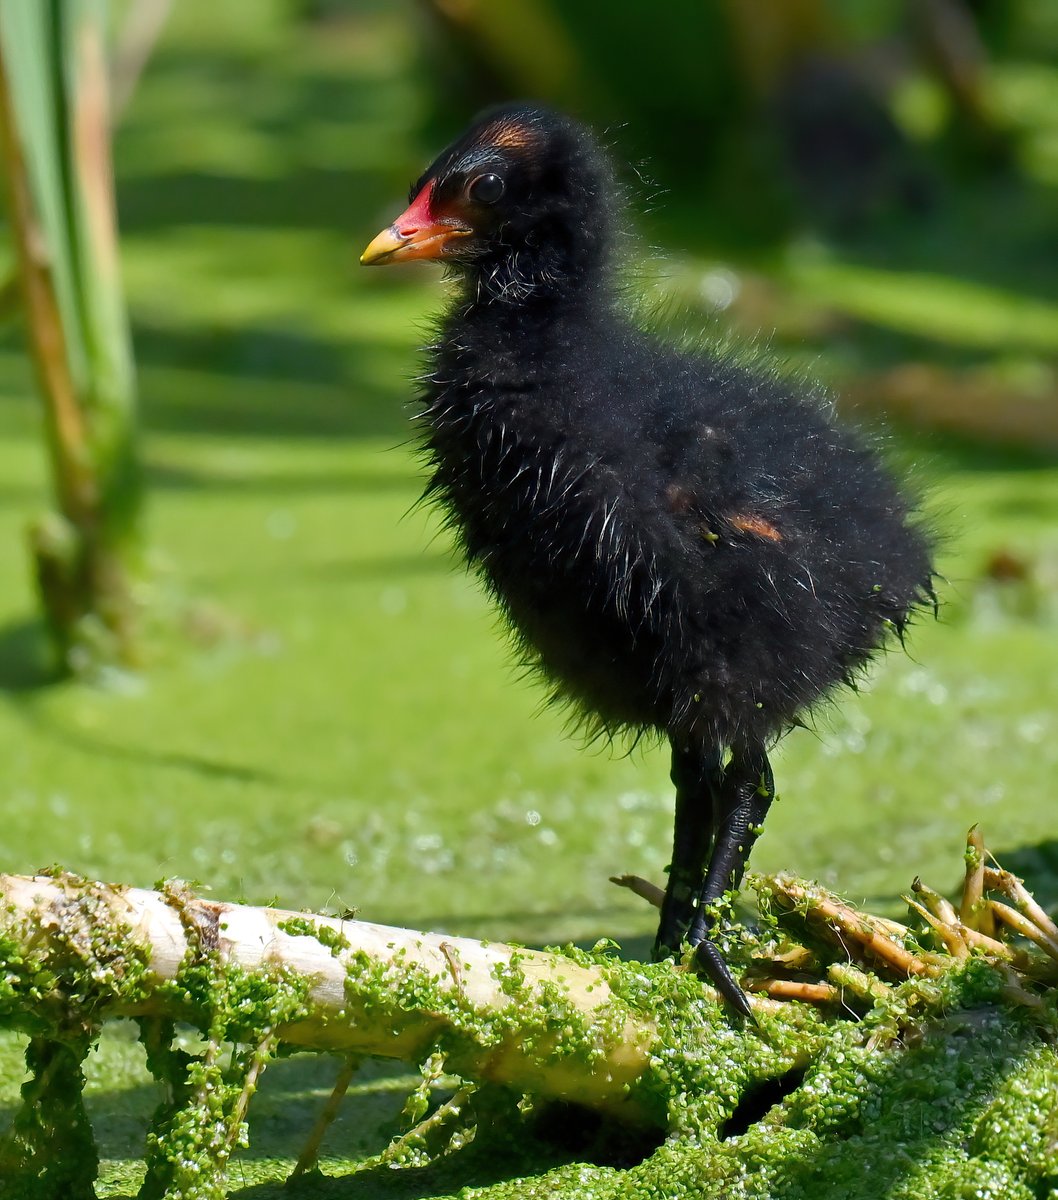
(382, 247)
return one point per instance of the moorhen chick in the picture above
(682, 542)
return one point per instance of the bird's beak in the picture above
(396, 245)
(419, 232)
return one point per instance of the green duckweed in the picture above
(934, 1089)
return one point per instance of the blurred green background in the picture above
(337, 723)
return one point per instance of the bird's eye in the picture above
(486, 189)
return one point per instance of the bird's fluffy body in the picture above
(681, 543)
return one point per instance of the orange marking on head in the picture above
(748, 523)
(509, 136)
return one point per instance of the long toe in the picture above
(709, 962)
(673, 929)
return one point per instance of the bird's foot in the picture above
(709, 962)
(670, 941)
(680, 925)
(677, 915)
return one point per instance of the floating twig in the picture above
(641, 887)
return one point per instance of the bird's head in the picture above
(522, 202)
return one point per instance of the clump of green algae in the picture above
(56, 996)
(50, 1150)
(941, 1090)
(92, 967)
(202, 1120)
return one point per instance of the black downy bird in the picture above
(682, 544)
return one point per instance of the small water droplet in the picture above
(719, 288)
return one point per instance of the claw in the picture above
(708, 962)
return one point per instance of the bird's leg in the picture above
(745, 797)
(697, 776)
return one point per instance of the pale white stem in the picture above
(354, 1004)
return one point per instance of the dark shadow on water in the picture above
(245, 383)
(336, 573)
(759, 1101)
(308, 198)
(269, 353)
(180, 478)
(26, 660)
(278, 106)
(272, 355)
(74, 739)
